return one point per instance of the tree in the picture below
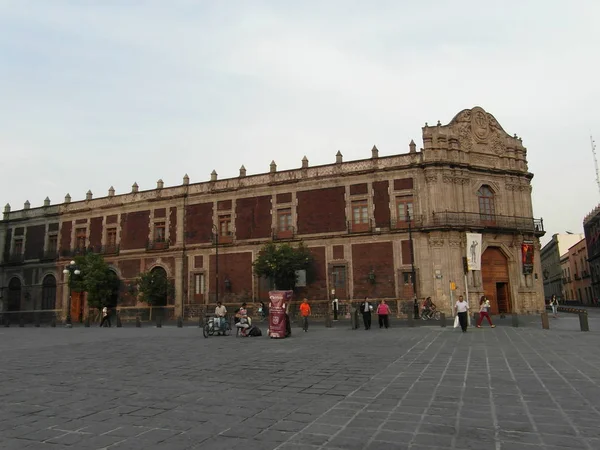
(279, 264)
(154, 288)
(96, 279)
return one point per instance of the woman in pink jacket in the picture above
(383, 311)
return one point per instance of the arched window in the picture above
(486, 203)
(49, 292)
(14, 294)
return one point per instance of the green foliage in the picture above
(154, 288)
(96, 278)
(279, 263)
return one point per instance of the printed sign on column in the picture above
(527, 257)
(474, 251)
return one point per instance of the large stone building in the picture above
(552, 268)
(357, 218)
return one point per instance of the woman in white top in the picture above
(462, 310)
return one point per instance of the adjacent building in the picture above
(591, 228)
(367, 223)
(552, 269)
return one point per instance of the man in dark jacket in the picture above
(365, 309)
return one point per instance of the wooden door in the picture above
(76, 306)
(494, 270)
(407, 290)
(502, 298)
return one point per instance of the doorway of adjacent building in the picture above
(14, 295)
(496, 285)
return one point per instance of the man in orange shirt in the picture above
(305, 312)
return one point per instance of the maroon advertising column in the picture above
(277, 319)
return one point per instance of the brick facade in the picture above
(357, 218)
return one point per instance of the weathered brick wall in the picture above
(34, 244)
(129, 268)
(378, 257)
(318, 288)
(198, 223)
(381, 203)
(96, 232)
(65, 236)
(253, 217)
(321, 210)
(237, 267)
(173, 225)
(135, 229)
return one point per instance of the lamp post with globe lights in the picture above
(70, 270)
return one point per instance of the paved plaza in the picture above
(331, 388)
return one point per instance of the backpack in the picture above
(254, 331)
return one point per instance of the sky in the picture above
(100, 93)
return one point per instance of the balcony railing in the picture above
(49, 255)
(112, 249)
(402, 224)
(79, 251)
(359, 227)
(162, 244)
(577, 277)
(490, 221)
(15, 258)
(284, 234)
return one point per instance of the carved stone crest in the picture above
(480, 124)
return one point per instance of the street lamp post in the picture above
(216, 237)
(70, 270)
(412, 258)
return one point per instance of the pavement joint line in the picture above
(565, 379)
(424, 413)
(358, 389)
(491, 398)
(430, 343)
(541, 382)
(461, 402)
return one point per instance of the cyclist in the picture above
(428, 307)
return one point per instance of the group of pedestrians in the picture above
(461, 310)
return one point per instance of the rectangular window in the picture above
(360, 212)
(159, 232)
(80, 238)
(407, 277)
(199, 283)
(111, 237)
(225, 225)
(284, 219)
(52, 243)
(404, 209)
(18, 246)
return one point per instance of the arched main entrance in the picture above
(49, 292)
(14, 295)
(494, 271)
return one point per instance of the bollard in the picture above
(36, 320)
(515, 320)
(87, 322)
(411, 320)
(21, 322)
(6, 322)
(545, 321)
(583, 321)
(158, 322)
(179, 322)
(138, 324)
(443, 320)
(199, 321)
(53, 323)
(119, 324)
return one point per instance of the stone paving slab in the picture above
(403, 388)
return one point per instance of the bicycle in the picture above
(210, 329)
(429, 314)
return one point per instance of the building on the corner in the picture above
(591, 228)
(576, 276)
(357, 218)
(551, 255)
